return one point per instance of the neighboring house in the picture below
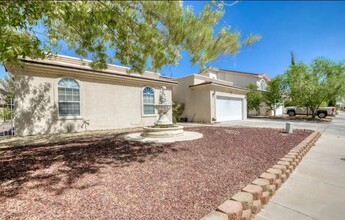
(57, 94)
(216, 95)
(239, 79)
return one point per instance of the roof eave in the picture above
(218, 85)
(100, 72)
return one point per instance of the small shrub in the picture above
(177, 110)
(164, 126)
(69, 127)
(6, 114)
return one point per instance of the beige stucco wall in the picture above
(105, 103)
(197, 102)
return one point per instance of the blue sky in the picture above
(309, 29)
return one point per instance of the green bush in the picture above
(177, 110)
(69, 127)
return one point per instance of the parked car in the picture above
(320, 112)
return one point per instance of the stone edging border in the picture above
(245, 204)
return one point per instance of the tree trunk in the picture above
(312, 113)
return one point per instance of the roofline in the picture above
(87, 60)
(235, 71)
(99, 71)
(205, 77)
(217, 84)
(189, 75)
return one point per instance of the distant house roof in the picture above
(259, 75)
(217, 84)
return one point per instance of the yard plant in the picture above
(274, 95)
(254, 98)
(177, 110)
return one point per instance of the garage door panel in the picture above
(228, 108)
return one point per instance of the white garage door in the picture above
(228, 108)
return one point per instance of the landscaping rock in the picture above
(232, 208)
(296, 151)
(265, 197)
(277, 173)
(284, 163)
(268, 176)
(161, 168)
(284, 177)
(255, 190)
(246, 199)
(287, 160)
(293, 157)
(247, 215)
(296, 155)
(278, 183)
(272, 189)
(263, 183)
(282, 168)
(256, 207)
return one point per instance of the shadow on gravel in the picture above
(56, 167)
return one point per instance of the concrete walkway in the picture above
(316, 189)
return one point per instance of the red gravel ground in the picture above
(113, 179)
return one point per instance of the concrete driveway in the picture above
(316, 189)
(319, 126)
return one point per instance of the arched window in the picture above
(263, 85)
(148, 101)
(69, 97)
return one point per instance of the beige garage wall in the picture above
(197, 102)
(104, 104)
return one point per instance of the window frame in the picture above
(143, 104)
(261, 83)
(68, 116)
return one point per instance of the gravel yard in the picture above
(109, 178)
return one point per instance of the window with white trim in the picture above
(148, 101)
(263, 85)
(68, 97)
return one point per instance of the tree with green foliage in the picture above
(311, 85)
(292, 58)
(273, 96)
(133, 32)
(333, 75)
(254, 98)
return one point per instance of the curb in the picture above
(251, 199)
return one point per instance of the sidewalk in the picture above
(316, 189)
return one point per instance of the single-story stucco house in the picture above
(216, 95)
(63, 93)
